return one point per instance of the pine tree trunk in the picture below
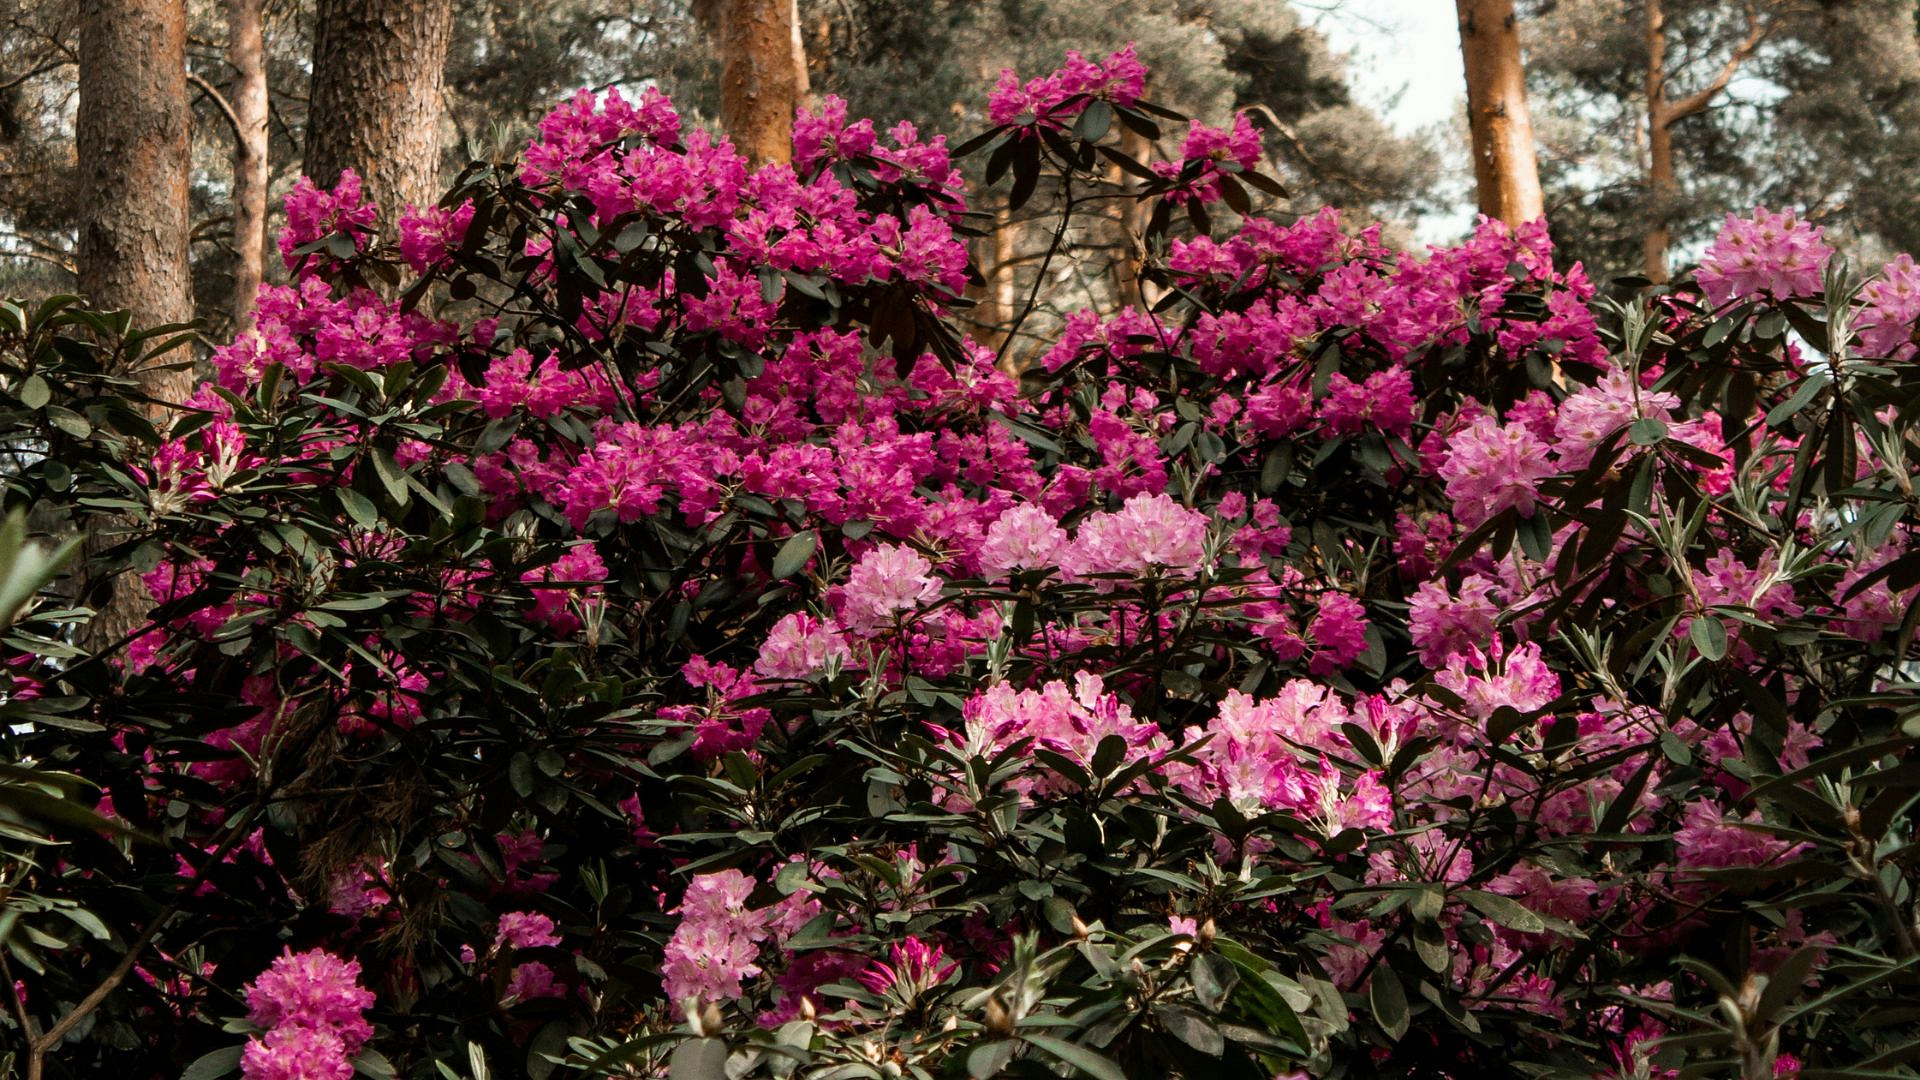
(132, 142)
(378, 67)
(246, 51)
(131, 137)
(763, 76)
(1661, 184)
(1504, 168)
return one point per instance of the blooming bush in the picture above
(626, 625)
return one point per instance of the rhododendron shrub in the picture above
(624, 627)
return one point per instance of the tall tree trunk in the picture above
(763, 76)
(131, 137)
(246, 51)
(378, 67)
(1660, 177)
(1504, 168)
(132, 141)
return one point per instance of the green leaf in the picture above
(989, 1058)
(1389, 1001)
(35, 393)
(373, 1064)
(793, 554)
(1214, 977)
(1647, 431)
(1095, 121)
(358, 507)
(1507, 912)
(391, 475)
(1087, 1061)
(218, 1063)
(1709, 635)
(698, 1059)
(1190, 1028)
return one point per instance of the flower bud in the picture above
(999, 1019)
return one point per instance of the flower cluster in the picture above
(310, 1005)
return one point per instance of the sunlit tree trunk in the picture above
(1504, 168)
(378, 68)
(763, 76)
(246, 51)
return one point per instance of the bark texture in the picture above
(132, 139)
(246, 51)
(378, 69)
(1505, 171)
(131, 134)
(763, 76)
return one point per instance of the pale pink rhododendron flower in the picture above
(1771, 254)
(1890, 308)
(1148, 533)
(887, 582)
(1446, 624)
(1492, 467)
(800, 646)
(524, 930)
(1025, 537)
(718, 941)
(296, 1053)
(1071, 721)
(1519, 679)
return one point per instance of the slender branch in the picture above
(1039, 277)
(37, 1048)
(20, 1014)
(1672, 112)
(226, 108)
(37, 257)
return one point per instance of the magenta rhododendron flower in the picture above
(313, 989)
(296, 1053)
(912, 969)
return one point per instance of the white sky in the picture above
(1403, 60)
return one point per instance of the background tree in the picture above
(763, 73)
(507, 62)
(378, 67)
(1778, 102)
(245, 107)
(1505, 172)
(131, 140)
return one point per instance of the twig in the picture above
(219, 99)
